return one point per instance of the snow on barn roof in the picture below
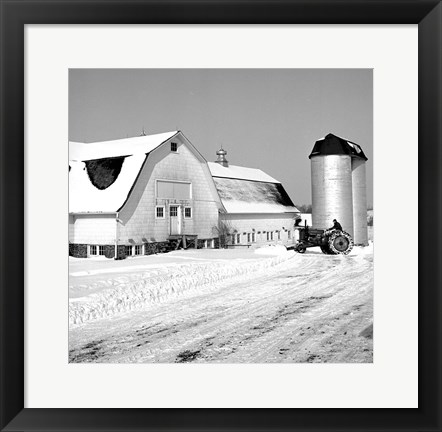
(79, 151)
(247, 196)
(84, 197)
(101, 174)
(249, 190)
(238, 172)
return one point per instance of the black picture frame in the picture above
(425, 233)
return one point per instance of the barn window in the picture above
(159, 212)
(188, 212)
(96, 250)
(268, 236)
(168, 189)
(138, 249)
(248, 237)
(238, 238)
(173, 211)
(279, 235)
(173, 147)
(253, 238)
(128, 250)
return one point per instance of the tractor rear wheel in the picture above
(340, 243)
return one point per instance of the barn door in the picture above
(175, 220)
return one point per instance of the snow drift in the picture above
(122, 295)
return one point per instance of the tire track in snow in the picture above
(218, 311)
(268, 336)
(234, 314)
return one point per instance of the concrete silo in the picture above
(359, 201)
(338, 186)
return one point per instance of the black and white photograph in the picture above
(207, 259)
(221, 216)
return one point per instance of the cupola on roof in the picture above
(221, 153)
(334, 145)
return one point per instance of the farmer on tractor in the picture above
(331, 241)
(336, 226)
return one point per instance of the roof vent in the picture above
(221, 153)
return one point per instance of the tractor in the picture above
(332, 241)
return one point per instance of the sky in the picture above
(264, 118)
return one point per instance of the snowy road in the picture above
(308, 308)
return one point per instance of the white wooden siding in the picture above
(92, 229)
(261, 224)
(138, 214)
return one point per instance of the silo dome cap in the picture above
(334, 145)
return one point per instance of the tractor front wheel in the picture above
(301, 248)
(340, 243)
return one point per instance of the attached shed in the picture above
(257, 209)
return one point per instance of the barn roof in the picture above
(250, 190)
(238, 172)
(101, 174)
(84, 197)
(334, 145)
(79, 151)
(247, 196)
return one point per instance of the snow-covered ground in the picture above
(231, 306)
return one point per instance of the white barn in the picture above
(132, 196)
